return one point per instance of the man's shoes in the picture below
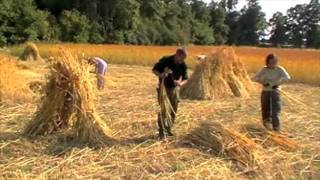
(162, 136)
(276, 129)
(170, 134)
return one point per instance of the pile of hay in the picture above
(268, 138)
(217, 139)
(31, 53)
(69, 103)
(221, 74)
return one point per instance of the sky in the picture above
(272, 6)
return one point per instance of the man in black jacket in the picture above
(173, 81)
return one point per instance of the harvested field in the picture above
(129, 107)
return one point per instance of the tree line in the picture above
(157, 22)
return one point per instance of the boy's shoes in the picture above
(267, 125)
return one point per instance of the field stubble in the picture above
(129, 107)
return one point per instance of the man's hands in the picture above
(160, 75)
(266, 84)
(270, 85)
(180, 82)
(163, 75)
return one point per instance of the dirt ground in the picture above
(129, 106)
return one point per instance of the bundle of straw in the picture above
(69, 103)
(31, 53)
(166, 108)
(268, 138)
(215, 138)
(221, 74)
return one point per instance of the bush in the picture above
(75, 27)
(21, 21)
(95, 33)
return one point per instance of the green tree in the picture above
(20, 21)
(75, 27)
(278, 29)
(54, 31)
(119, 20)
(55, 6)
(200, 10)
(217, 23)
(302, 23)
(313, 37)
(202, 34)
(153, 9)
(95, 35)
(295, 25)
(232, 21)
(252, 24)
(229, 4)
(313, 33)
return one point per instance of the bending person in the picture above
(100, 70)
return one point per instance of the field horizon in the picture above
(296, 61)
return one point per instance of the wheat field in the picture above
(302, 64)
(129, 106)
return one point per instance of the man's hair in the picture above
(271, 57)
(182, 51)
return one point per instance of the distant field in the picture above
(303, 65)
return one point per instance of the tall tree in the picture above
(201, 32)
(200, 10)
(303, 20)
(313, 34)
(252, 24)
(54, 6)
(217, 23)
(229, 4)
(296, 25)
(313, 37)
(232, 22)
(21, 21)
(75, 27)
(278, 31)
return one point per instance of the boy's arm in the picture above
(259, 77)
(285, 77)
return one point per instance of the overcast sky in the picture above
(272, 6)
